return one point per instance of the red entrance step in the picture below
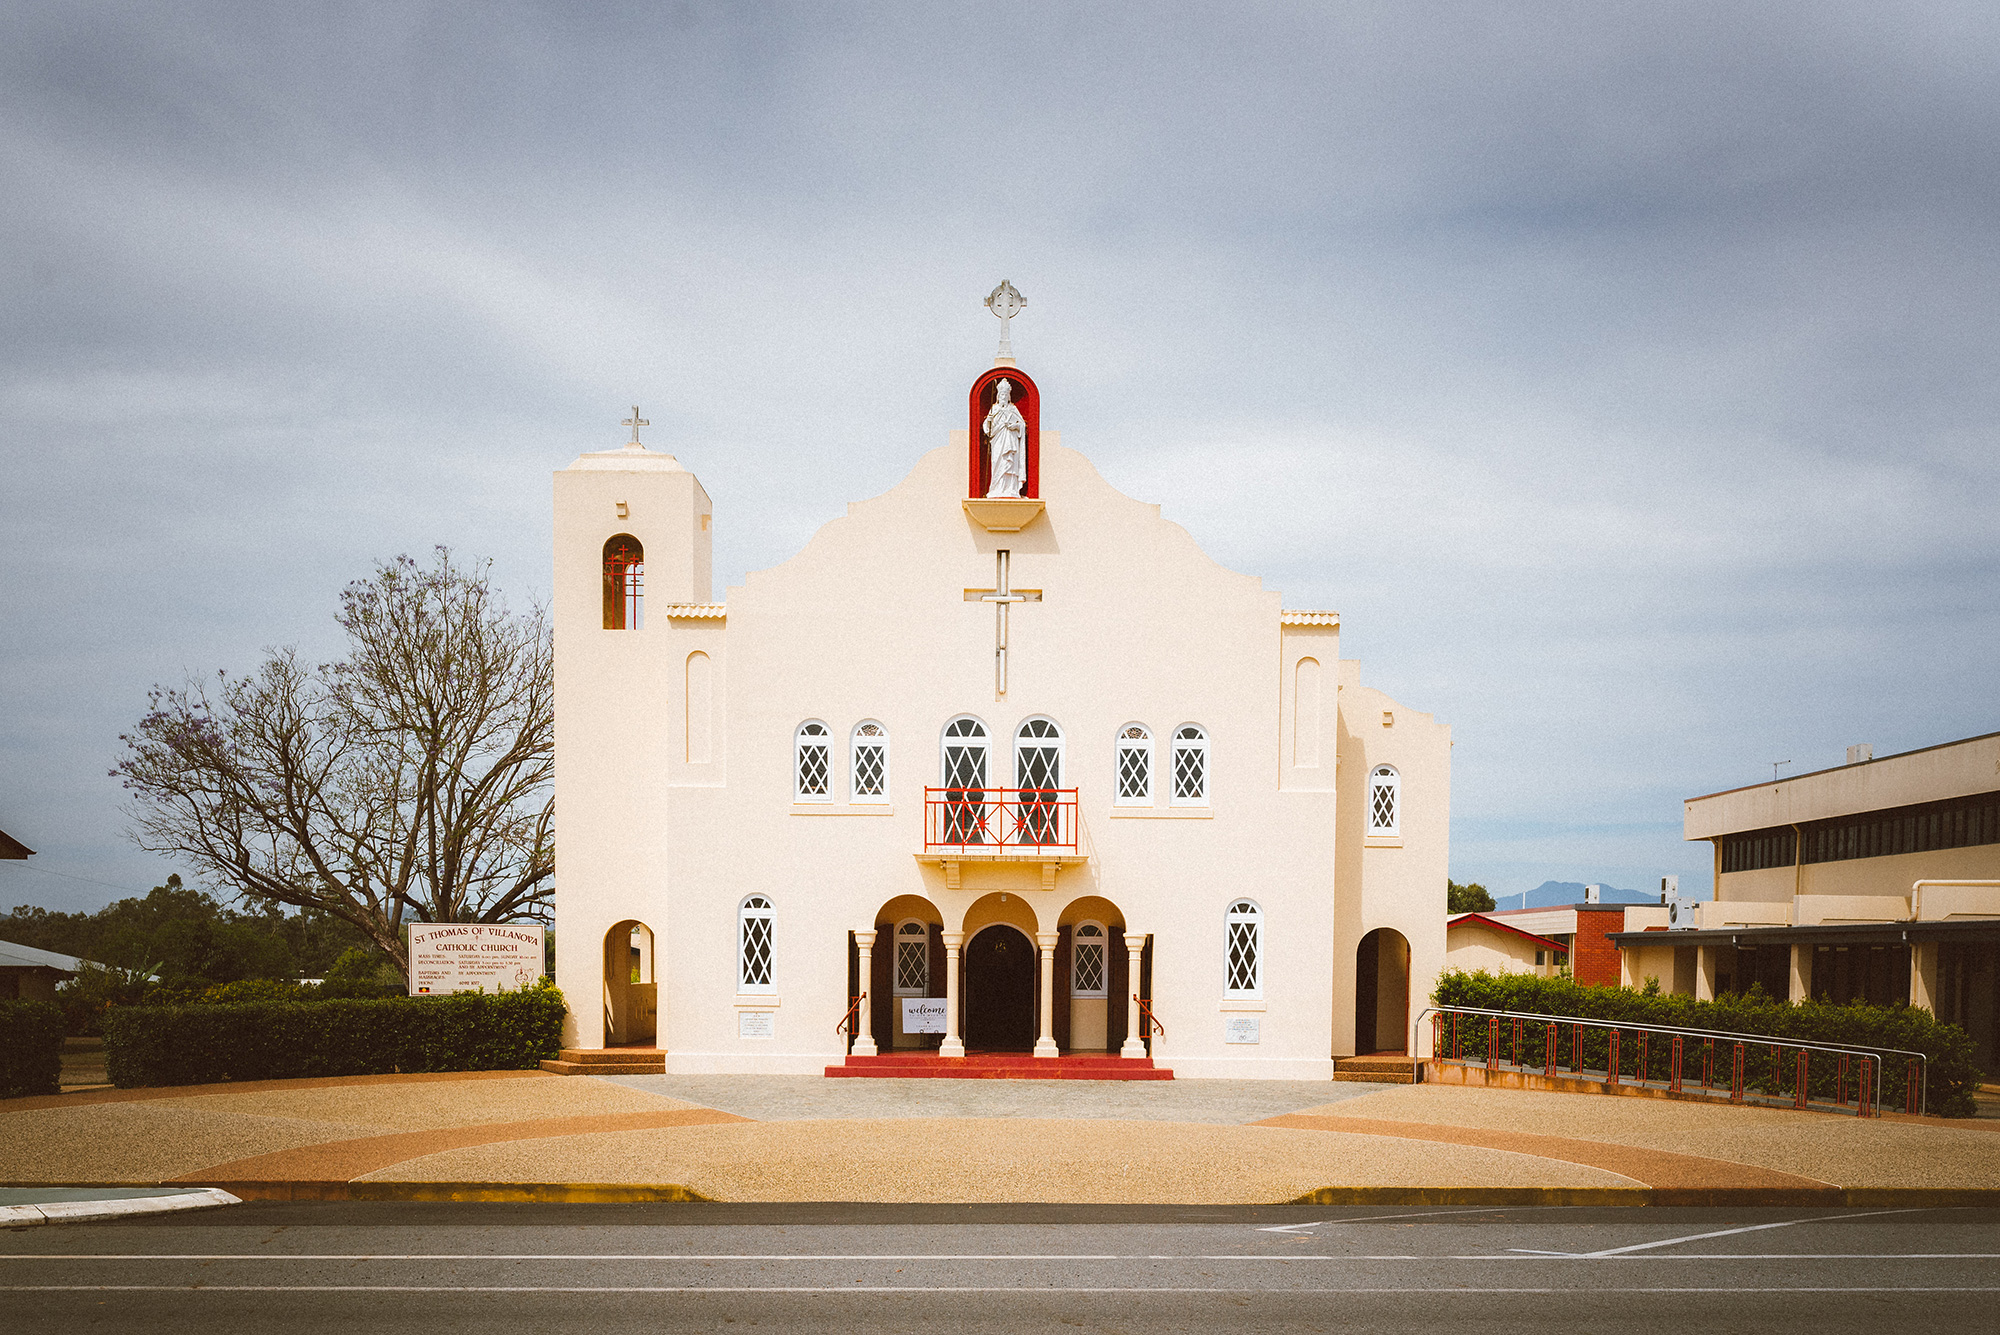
(608, 1061)
(1000, 1066)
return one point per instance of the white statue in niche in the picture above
(1007, 443)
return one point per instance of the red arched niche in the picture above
(1029, 400)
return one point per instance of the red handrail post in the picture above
(1674, 1077)
(1864, 1088)
(1840, 1083)
(1437, 1035)
(1708, 1067)
(1611, 1064)
(1576, 1047)
(1518, 1063)
(1639, 1071)
(1912, 1084)
(1492, 1043)
(1799, 1093)
(1736, 1076)
(1553, 1036)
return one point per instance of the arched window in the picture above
(810, 764)
(962, 761)
(624, 583)
(869, 752)
(913, 959)
(1135, 766)
(1385, 800)
(753, 946)
(1190, 766)
(1245, 934)
(1038, 770)
(1086, 960)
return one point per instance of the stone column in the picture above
(1045, 1044)
(1923, 975)
(1135, 1040)
(864, 1042)
(1800, 986)
(953, 1045)
(1704, 972)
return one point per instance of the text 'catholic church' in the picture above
(955, 780)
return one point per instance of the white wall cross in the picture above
(1002, 598)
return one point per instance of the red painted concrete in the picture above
(1000, 1066)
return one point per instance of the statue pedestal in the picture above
(1003, 514)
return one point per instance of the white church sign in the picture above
(451, 957)
(923, 1015)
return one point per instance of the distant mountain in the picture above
(1555, 894)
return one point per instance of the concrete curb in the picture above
(73, 1212)
(1738, 1197)
(577, 1193)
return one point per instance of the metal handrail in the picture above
(1917, 1091)
(847, 1020)
(1149, 1023)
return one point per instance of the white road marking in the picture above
(1750, 1228)
(1369, 1219)
(926, 1288)
(1281, 1258)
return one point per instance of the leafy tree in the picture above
(187, 936)
(408, 782)
(1467, 898)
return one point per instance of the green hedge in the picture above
(31, 1035)
(1950, 1049)
(281, 1040)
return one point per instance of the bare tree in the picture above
(410, 782)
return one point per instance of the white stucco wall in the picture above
(871, 621)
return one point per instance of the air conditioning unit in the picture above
(1680, 912)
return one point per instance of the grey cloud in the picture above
(1624, 376)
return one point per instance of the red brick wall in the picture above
(1593, 958)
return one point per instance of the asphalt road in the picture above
(277, 1269)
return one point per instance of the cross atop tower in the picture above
(1006, 302)
(635, 422)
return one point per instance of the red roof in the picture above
(1481, 920)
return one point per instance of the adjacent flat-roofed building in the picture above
(1879, 879)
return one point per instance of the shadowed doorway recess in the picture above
(1000, 991)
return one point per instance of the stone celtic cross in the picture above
(1006, 302)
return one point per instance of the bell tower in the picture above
(632, 543)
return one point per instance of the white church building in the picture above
(959, 778)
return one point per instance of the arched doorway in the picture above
(1382, 992)
(631, 997)
(1000, 975)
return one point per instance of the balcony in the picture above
(1033, 825)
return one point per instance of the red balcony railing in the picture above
(999, 821)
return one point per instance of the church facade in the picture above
(1001, 761)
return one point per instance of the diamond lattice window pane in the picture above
(965, 776)
(1242, 957)
(871, 765)
(1038, 767)
(1088, 972)
(1190, 773)
(812, 770)
(1135, 772)
(756, 952)
(913, 967)
(1383, 808)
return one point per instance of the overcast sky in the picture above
(1623, 374)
